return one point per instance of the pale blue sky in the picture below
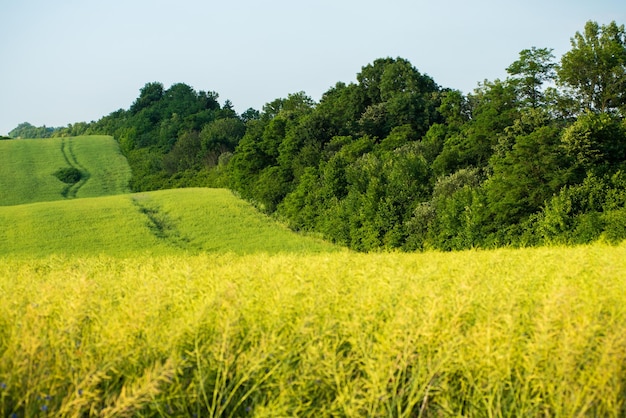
(67, 61)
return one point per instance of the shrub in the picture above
(68, 175)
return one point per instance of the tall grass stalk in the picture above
(480, 333)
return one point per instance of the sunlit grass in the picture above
(480, 333)
(182, 221)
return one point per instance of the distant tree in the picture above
(342, 106)
(26, 130)
(250, 114)
(183, 100)
(148, 95)
(534, 67)
(227, 111)
(295, 104)
(370, 78)
(396, 94)
(454, 108)
(595, 67)
(450, 219)
(249, 159)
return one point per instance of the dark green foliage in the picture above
(185, 154)
(69, 175)
(452, 218)
(220, 136)
(582, 213)
(527, 175)
(26, 130)
(493, 107)
(597, 142)
(149, 94)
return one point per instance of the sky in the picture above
(68, 61)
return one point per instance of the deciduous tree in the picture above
(534, 67)
(595, 67)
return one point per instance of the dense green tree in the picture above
(248, 159)
(595, 67)
(527, 175)
(294, 105)
(493, 107)
(397, 94)
(342, 106)
(149, 94)
(597, 142)
(304, 142)
(270, 188)
(369, 79)
(583, 212)
(303, 207)
(250, 114)
(454, 108)
(534, 67)
(185, 154)
(450, 219)
(220, 136)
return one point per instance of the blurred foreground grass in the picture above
(537, 332)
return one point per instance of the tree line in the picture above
(394, 160)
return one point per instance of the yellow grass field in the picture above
(529, 333)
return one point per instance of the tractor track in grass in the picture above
(67, 149)
(160, 223)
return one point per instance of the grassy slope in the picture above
(26, 174)
(536, 332)
(100, 156)
(169, 221)
(27, 167)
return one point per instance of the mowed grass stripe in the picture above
(27, 168)
(168, 221)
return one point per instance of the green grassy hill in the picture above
(28, 166)
(169, 221)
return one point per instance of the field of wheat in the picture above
(536, 332)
